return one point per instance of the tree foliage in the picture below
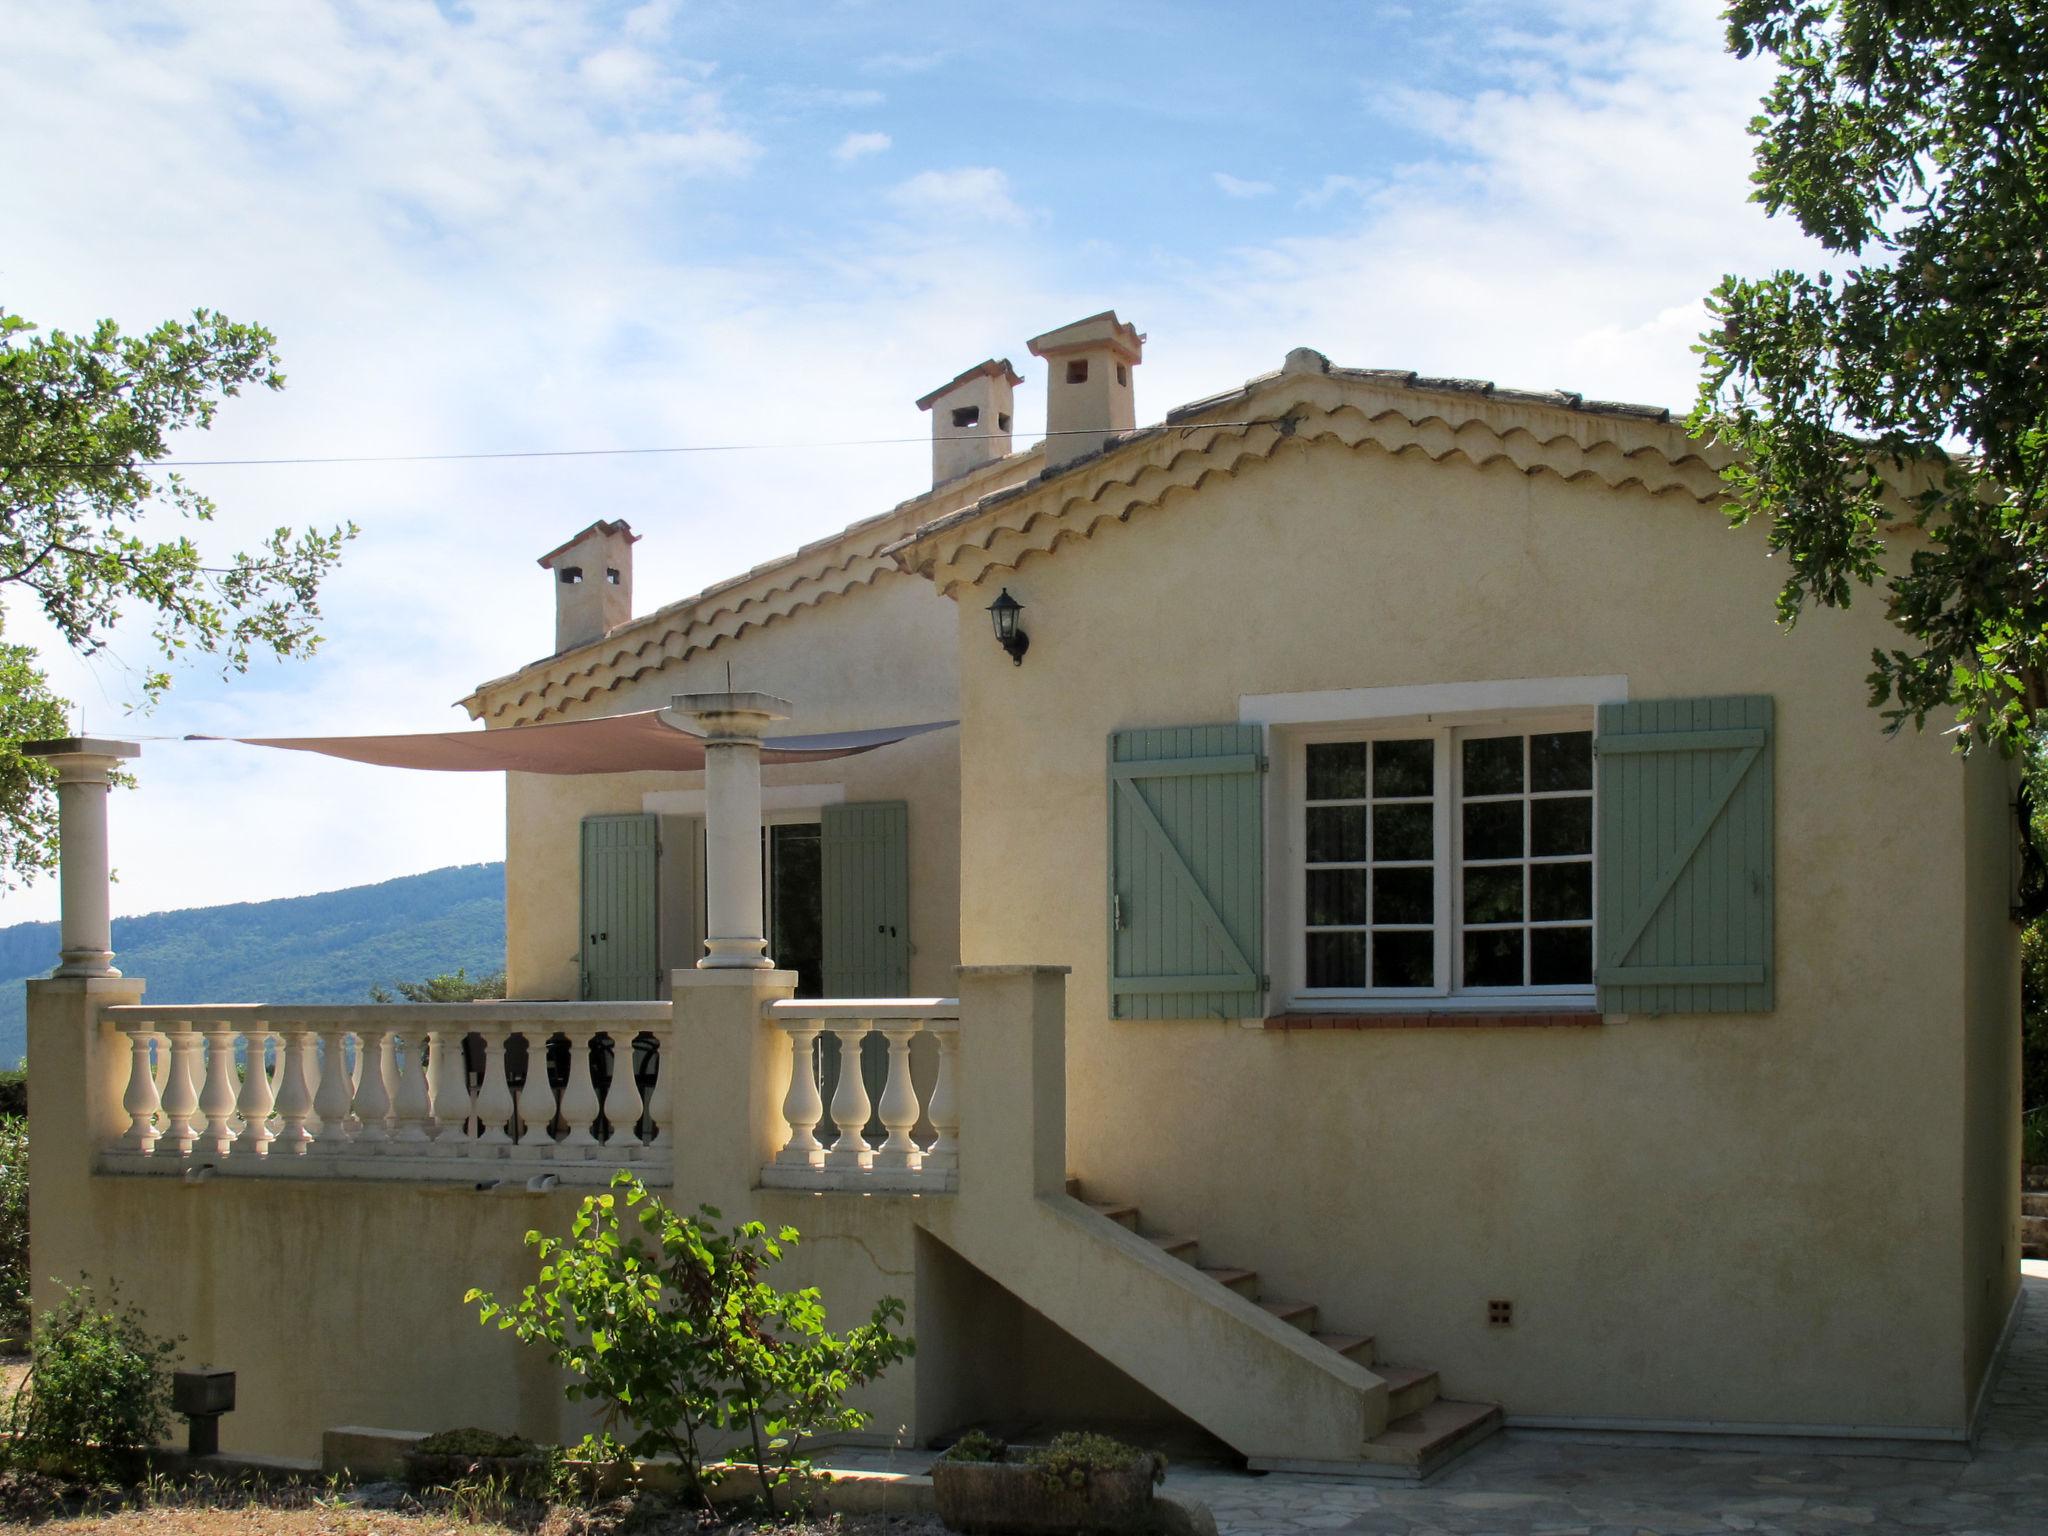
(456, 986)
(97, 1394)
(667, 1322)
(1911, 382)
(83, 533)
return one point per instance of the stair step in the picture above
(1417, 1445)
(1182, 1248)
(1243, 1281)
(1124, 1215)
(1301, 1314)
(1352, 1346)
(1410, 1389)
(2032, 1204)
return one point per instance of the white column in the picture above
(898, 1109)
(731, 724)
(802, 1109)
(850, 1107)
(85, 929)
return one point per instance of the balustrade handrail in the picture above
(794, 1010)
(419, 1015)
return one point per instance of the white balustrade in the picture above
(389, 1092)
(901, 1161)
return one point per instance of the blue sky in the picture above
(521, 225)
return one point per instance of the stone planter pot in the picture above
(993, 1498)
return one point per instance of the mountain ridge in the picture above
(326, 947)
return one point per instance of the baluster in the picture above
(372, 1105)
(622, 1102)
(899, 1100)
(257, 1094)
(850, 1107)
(453, 1104)
(663, 1107)
(294, 1099)
(336, 1092)
(181, 1092)
(496, 1104)
(943, 1157)
(142, 1098)
(801, 1106)
(410, 1106)
(579, 1100)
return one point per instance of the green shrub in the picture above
(666, 1322)
(1072, 1456)
(97, 1394)
(976, 1447)
(14, 1271)
(476, 1442)
(14, 1091)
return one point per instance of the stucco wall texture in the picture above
(1779, 1219)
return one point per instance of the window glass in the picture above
(1516, 884)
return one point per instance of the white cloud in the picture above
(1330, 188)
(810, 98)
(856, 145)
(975, 192)
(1236, 186)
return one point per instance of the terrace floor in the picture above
(1531, 1485)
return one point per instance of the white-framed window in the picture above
(1439, 861)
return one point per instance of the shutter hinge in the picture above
(1265, 763)
(1265, 982)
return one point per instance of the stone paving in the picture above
(1531, 1485)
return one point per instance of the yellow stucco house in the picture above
(1387, 938)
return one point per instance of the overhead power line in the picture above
(572, 453)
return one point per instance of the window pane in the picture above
(1403, 767)
(1336, 959)
(1403, 959)
(1561, 957)
(1494, 959)
(1493, 830)
(1335, 833)
(1403, 895)
(1336, 770)
(1560, 826)
(1493, 895)
(1561, 761)
(1558, 891)
(1493, 765)
(1404, 831)
(1336, 896)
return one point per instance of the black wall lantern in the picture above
(1003, 612)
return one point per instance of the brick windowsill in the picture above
(1531, 1018)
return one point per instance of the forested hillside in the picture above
(328, 948)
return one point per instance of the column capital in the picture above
(82, 759)
(731, 716)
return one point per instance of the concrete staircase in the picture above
(1424, 1431)
(2034, 1224)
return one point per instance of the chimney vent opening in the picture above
(1123, 374)
(611, 574)
(571, 575)
(1003, 422)
(1077, 371)
(967, 416)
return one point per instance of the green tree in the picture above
(448, 987)
(1909, 138)
(90, 532)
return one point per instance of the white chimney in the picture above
(971, 418)
(593, 583)
(1088, 384)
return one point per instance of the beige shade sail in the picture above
(634, 743)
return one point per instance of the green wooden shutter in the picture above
(621, 937)
(866, 859)
(1685, 856)
(1186, 873)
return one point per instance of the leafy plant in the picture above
(977, 1448)
(14, 1272)
(97, 1394)
(667, 1322)
(476, 1442)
